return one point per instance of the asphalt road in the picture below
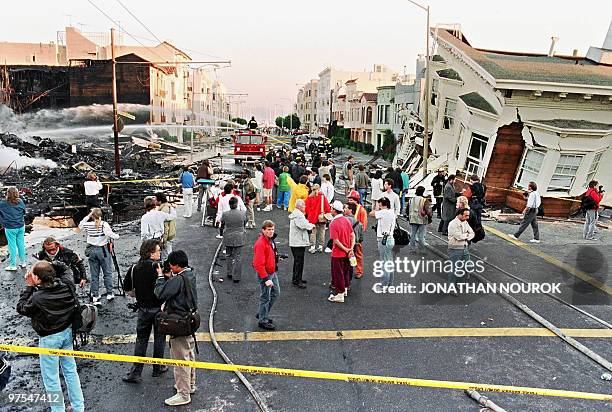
(525, 361)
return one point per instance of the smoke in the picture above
(8, 155)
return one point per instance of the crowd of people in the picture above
(162, 281)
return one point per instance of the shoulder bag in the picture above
(179, 324)
(324, 217)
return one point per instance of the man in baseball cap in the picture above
(343, 238)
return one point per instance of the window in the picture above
(449, 114)
(478, 147)
(565, 173)
(462, 131)
(369, 115)
(434, 91)
(532, 162)
(593, 168)
(386, 116)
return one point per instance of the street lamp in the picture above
(427, 81)
(290, 113)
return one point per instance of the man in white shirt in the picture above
(393, 197)
(223, 205)
(152, 222)
(530, 214)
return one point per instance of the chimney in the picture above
(553, 42)
(575, 53)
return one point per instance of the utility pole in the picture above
(115, 119)
(331, 98)
(427, 98)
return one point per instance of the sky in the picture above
(275, 45)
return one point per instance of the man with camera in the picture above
(590, 202)
(140, 281)
(49, 301)
(176, 287)
(53, 251)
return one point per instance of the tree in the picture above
(239, 120)
(291, 121)
(279, 121)
(388, 142)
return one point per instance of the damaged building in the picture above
(511, 118)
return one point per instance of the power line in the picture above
(124, 30)
(138, 20)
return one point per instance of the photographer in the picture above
(52, 251)
(590, 202)
(140, 279)
(50, 303)
(385, 223)
(172, 287)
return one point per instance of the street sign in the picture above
(127, 115)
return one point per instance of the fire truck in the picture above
(249, 146)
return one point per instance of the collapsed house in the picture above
(512, 118)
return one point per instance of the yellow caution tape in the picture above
(347, 377)
(114, 182)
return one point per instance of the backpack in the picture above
(401, 236)
(5, 372)
(83, 322)
(587, 202)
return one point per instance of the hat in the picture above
(354, 195)
(338, 206)
(441, 169)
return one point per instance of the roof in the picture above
(370, 97)
(437, 58)
(476, 101)
(575, 124)
(534, 67)
(350, 81)
(449, 74)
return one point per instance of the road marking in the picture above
(365, 334)
(553, 261)
(300, 373)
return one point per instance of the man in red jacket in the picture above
(264, 263)
(591, 213)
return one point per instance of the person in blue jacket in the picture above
(12, 217)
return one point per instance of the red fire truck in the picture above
(249, 146)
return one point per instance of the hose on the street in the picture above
(483, 401)
(213, 338)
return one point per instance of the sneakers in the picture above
(345, 292)
(328, 250)
(177, 400)
(278, 206)
(110, 297)
(258, 209)
(320, 249)
(534, 241)
(284, 208)
(187, 216)
(23, 265)
(511, 236)
(300, 285)
(266, 325)
(312, 249)
(587, 238)
(11, 268)
(339, 298)
(96, 301)
(219, 237)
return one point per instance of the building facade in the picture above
(511, 118)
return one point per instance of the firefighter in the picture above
(252, 124)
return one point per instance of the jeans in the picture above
(298, 263)
(49, 368)
(457, 255)
(317, 235)
(443, 227)
(100, 259)
(531, 218)
(402, 197)
(268, 295)
(201, 192)
(417, 235)
(589, 224)
(438, 207)
(144, 324)
(385, 253)
(282, 199)
(16, 245)
(363, 192)
(188, 200)
(234, 262)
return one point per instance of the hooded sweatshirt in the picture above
(298, 229)
(298, 191)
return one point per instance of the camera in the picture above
(383, 241)
(133, 306)
(601, 189)
(283, 256)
